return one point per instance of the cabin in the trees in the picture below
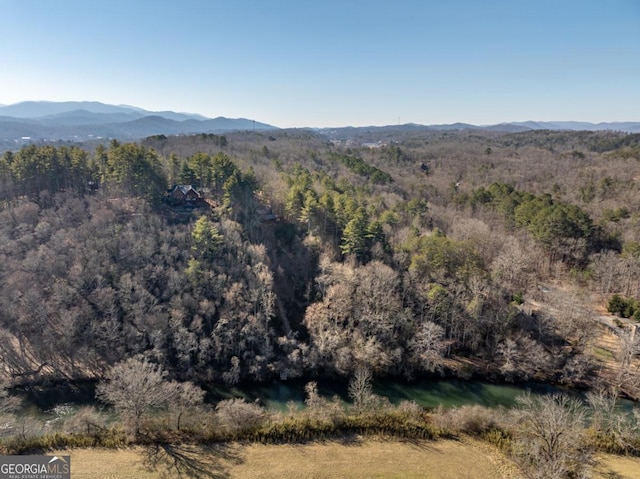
(185, 195)
(266, 216)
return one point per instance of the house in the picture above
(266, 215)
(184, 195)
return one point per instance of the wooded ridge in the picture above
(473, 254)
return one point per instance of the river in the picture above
(427, 393)
(280, 395)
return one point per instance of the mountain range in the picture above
(77, 121)
(86, 120)
(511, 127)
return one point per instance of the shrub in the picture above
(474, 420)
(239, 415)
(322, 408)
(624, 307)
(410, 410)
(499, 438)
(518, 298)
(109, 438)
(87, 420)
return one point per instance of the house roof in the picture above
(184, 189)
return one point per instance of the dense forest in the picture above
(494, 255)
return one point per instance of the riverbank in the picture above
(203, 439)
(543, 432)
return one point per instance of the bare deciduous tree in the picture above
(550, 436)
(619, 425)
(232, 377)
(606, 271)
(523, 357)
(313, 399)
(628, 377)
(361, 391)
(511, 264)
(427, 346)
(187, 398)
(136, 387)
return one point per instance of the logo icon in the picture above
(35, 467)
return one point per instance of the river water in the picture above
(426, 393)
(281, 395)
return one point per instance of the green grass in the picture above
(603, 354)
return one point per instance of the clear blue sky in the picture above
(295, 63)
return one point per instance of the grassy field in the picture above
(354, 459)
(616, 467)
(370, 458)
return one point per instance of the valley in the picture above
(288, 258)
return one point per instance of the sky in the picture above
(326, 63)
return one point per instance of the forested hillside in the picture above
(486, 254)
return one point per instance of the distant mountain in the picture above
(156, 125)
(50, 109)
(507, 128)
(38, 109)
(454, 126)
(344, 133)
(85, 117)
(172, 115)
(627, 126)
(84, 120)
